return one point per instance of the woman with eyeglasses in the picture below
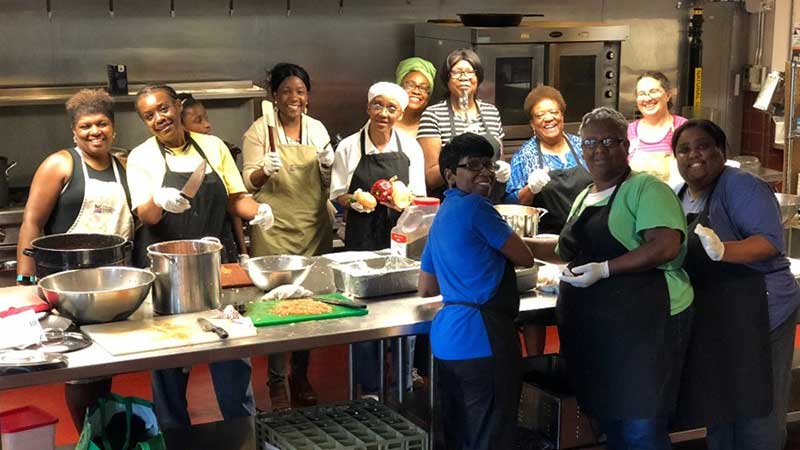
(460, 112)
(288, 163)
(416, 76)
(473, 336)
(624, 305)
(377, 151)
(650, 136)
(746, 298)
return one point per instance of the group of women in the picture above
(676, 305)
(645, 334)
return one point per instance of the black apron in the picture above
(205, 218)
(612, 332)
(498, 316)
(372, 231)
(558, 195)
(728, 369)
(498, 192)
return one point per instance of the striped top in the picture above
(664, 145)
(435, 122)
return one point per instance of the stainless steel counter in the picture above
(59, 94)
(388, 317)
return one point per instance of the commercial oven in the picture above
(581, 60)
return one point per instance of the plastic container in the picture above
(27, 428)
(411, 232)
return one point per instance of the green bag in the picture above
(112, 412)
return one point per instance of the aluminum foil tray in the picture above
(355, 279)
(527, 277)
(354, 425)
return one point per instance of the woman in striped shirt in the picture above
(459, 113)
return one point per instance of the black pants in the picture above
(468, 409)
(768, 431)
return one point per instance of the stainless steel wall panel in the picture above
(344, 53)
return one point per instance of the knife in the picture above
(194, 182)
(352, 305)
(206, 325)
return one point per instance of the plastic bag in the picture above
(121, 423)
(287, 291)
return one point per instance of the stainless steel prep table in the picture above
(389, 317)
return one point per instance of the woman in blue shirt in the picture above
(548, 170)
(473, 337)
(746, 298)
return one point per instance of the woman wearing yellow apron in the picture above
(287, 160)
(650, 136)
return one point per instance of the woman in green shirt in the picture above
(624, 304)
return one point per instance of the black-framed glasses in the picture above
(476, 165)
(411, 87)
(592, 143)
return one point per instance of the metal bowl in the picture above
(103, 294)
(269, 272)
(524, 220)
(789, 205)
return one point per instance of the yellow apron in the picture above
(299, 203)
(659, 164)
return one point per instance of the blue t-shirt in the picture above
(526, 160)
(743, 205)
(463, 252)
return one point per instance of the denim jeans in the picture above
(637, 434)
(366, 357)
(231, 384)
(277, 365)
(768, 432)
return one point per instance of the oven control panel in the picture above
(609, 82)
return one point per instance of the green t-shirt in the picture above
(644, 202)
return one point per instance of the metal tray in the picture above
(355, 283)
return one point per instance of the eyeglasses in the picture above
(476, 165)
(552, 113)
(457, 75)
(652, 93)
(378, 108)
(592, 143)
(411, 86)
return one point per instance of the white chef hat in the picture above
(390, 90)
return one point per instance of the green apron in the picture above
(299, 203)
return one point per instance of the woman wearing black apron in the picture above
(375, 152)
(624, 305)
(736, 377)
(461, 112)
(473, 337)
(157, 170)
(548, 172)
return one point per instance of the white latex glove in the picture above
(271, 164)
(325, 155)
(171, 200)
(503, 172)
(287, 291)
(712, 244)
(585, 275)
(263, 218)
(538, 179)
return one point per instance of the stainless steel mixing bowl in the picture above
(524, 220)
(269, 272)
(789, 205)
(102, 294)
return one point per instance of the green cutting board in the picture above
(261, 312)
